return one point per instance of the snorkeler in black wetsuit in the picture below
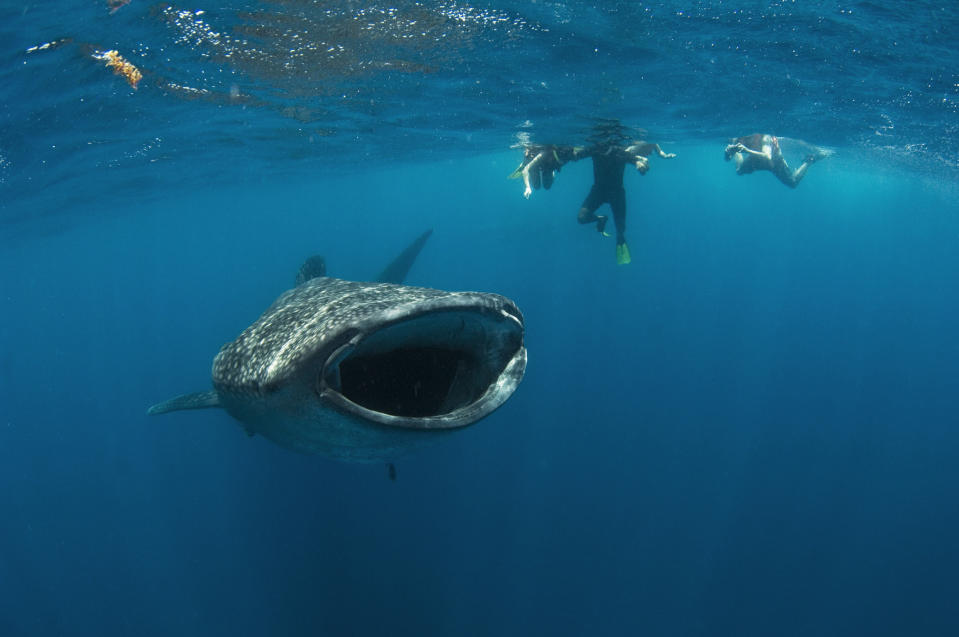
(610, 151)
(762, 152)
(609, 163)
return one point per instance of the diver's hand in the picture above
(669, 155)
(732, 149)
(642, 165)
(527, 192)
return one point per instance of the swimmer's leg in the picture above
(587, 212)
(534, 178)
(784, 174)
(548, 177)
(617, 202)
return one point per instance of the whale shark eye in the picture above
(430, 365)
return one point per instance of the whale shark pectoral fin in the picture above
(198, 400)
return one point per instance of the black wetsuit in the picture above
(608, 169)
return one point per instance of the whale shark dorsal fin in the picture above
(397, 270)
(198, 400)
(312, 268)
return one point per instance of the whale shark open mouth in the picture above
(439, 368)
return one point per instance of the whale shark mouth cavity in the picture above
(439, 369)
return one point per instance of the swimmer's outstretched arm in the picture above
(532, 164)
(664, 155)
(765, 152)
(648, 148)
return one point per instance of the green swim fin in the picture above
(622, 254)
(516, 174)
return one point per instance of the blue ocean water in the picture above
(749, 430)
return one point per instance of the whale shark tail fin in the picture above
(198, 400)
(397, 270)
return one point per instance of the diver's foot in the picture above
(601, 224)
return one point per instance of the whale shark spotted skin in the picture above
(366, 371)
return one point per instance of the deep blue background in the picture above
(748, 431)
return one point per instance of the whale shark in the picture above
(366, 371)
